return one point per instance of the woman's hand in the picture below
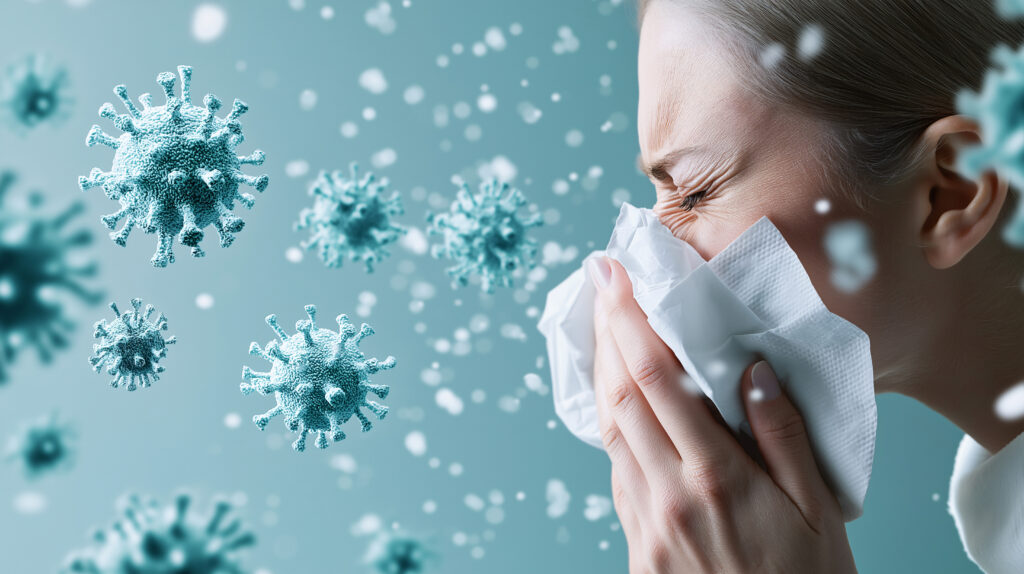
(688, 496)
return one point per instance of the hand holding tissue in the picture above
(754, 299)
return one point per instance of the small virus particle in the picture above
(152, 539)
(34, 91)
(38, 260)
(996, 108)
(319, 377)
(398, 553)
(350, 217)
(131, 346)
(175, 170)
(485, 236)
(42, 446)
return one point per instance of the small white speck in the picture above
(204, 301)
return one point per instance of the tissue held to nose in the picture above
(752, 300)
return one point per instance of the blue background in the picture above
(173, 435)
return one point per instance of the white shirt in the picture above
(986, 499)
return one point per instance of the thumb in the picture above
(781, 436)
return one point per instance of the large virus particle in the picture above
(485, 235)
(175, 171)
(152, 539)
(34, 91)
(131, 346)
(319, 377)
(42, 446)
(997, 109)
(39, 265)
(350, 217)
(399, 553)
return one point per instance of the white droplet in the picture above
(293, 254)
(307, 100)
(208, 22)
(349, 130)
(416, 443)
(296, 168)
(373, 81)
(487, 103)
(232, 420)
(384, 158)
(574, 138)
(822, 206)
(29, 502)
(414, 94)
(1010, 404)
(558, 498)
(811, 42)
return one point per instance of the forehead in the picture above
(690, 94)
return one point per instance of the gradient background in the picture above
(174, 434)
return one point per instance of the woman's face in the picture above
(720, 159)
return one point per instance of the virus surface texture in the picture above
(34, 91)
(39, 265)
(42, 446)
(997, 109)
(485, 235)
(151, 539)
(175, 171)
(131, 346)
(350, 217)
(398, 553)
(319, 377)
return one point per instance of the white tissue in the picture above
(752, 300)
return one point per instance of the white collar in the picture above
(986, 499)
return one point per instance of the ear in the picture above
(954, 213)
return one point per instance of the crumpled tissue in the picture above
(752, 300)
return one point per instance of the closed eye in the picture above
(691, 200)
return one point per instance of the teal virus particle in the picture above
(152, 539)
(34, 91)
(351, 218)
(42, 446)
(997, 108)
(399, 553)
(485, 235)
(175, 171)
(131, 346)
(319, 377)
(40, 269)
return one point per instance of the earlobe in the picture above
(958, 212)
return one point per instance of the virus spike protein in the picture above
(175, 171)
(131, 346)
(484, 234)
(320, 379)
(350, 217)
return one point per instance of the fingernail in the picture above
(764, 380)
(600, 272)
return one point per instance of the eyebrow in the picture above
(659, 168)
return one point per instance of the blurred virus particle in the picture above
(34, 91)
(151, 539)
(484, 234)
(320, 379)
(997, 110)
(1010, 8)
(175, 170)
(131, 346)
(42, 446)
(39, 265)
(350, 217)
(398, 553)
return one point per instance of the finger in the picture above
(782, 438)
(632, 529)
(623, 461)
(658, 458)
(678, 406)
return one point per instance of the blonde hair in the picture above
(888, 69)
